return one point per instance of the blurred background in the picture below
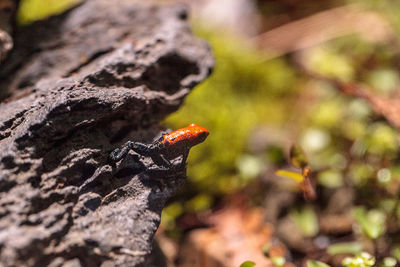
(291, 75)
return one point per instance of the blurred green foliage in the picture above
(316, 264)
(346, 143)
(345, 248)
(297, 157)
(31, 10)
(306, 219)
(364, 259)
(389, 262)
(372, 222)
(278, 261)
(242, 93)
(247, 264)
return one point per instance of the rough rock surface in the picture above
(77, 86)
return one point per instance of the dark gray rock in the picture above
(78, 86)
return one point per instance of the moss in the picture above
(243, 92)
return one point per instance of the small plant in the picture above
(311, 263)
(247, 264)
(299, 159)
(278, 261)
(364, 259)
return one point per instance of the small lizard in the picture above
(167, 147)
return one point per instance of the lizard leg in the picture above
(118, 154)
(184, 157)
(143, 149)
(160, 160)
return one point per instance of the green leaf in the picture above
(198, 203)
(266, 249)
(330, 178)
(382, 139)
(345, 248)
(297, 177)
(247, 264)
(31, 10)
(311, 263)
(278, 261)
(371, 222)
(389, 262)
(306, 219)
(297, 157)
(383, 81)
(249, 166)
(396, 252)
(329, 62)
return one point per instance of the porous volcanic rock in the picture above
(75, 87)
